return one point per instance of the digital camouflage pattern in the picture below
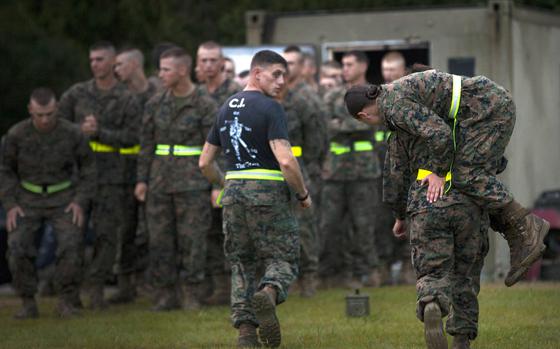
(261, 234)
(448, 238)
(118, 114)
(349, 193)
(227, 89)
(177, 204)
(419, 104)
(46, 158)
(307, 130)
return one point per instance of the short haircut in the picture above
(179, 54)
(42, 96)
(292, 48)
(360, 96)
(243, 74)
(158, 50)
(359, 55)
(103, 45)
(308, 57)
(418, 67)
(135, 54)
(332, 64)
(229, 59)
(211, 45)
(265, 58)
(394, 56)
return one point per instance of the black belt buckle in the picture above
(44, 189)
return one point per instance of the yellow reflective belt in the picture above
(425, 173)
(178, 150)
(48, 189)
(260, 174)
(219, 198)
(104, 148)
(297, 151)
(363, 146)
(339, 149)
(453, 110)
(381, 136)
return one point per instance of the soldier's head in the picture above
(361, 102)
(309, 67)
(332, 70)
(102, 60)
(354, 66)
(42, 109)
(268, 71)
(293, 55)
(174, 67)
(129, 63)
(229, 68)
(393, 66)
(210, 60)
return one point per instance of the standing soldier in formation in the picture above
(308, 135)
(178, 208)
(219, 87)
(259, 226)
(48, 174)
(109, 116)
(391, 250)
(351, 172)
(129, 69)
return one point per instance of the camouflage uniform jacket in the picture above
(164, 124)
(345, 130)
(118, 114)
(306, 128)
(144, 97)
(222, 93)
(45, 159)
(401, 191)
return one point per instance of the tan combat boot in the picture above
(308, 285)
(96, 297)
(166, 299)
(64, 308)
(28, 309)
(221, 293)
(433, 327)
(264, 304)
(191, 302)
(525, 234)
(248, 336)
(461, 342)
(126, 291)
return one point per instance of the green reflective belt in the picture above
(46, 189)
(339, 149)
(259, 174)
(104, 148)
(177, 150)
(382, 136)
(453, 110)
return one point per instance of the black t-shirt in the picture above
(246, 123)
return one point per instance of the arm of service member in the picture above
(290, 169)
(146, 155)
(87, 173)
(208, 165)
(128, 135)
(9, 182)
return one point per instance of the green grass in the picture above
(525, 316)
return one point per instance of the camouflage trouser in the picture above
(259, 237)
(108, 213)
(448, 249)
(215, 258)
(356, 242)
(126, 242)
(481, 143)
(142, 240)
(388, 247)
(177, 224)
(22, 251)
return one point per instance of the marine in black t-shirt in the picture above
(245, 125)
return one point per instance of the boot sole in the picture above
(269, 327)
(531, 258)
(433, 327)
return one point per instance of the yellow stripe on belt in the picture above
(105, 148)
(258, 174)
(177, 150)
(358, 146)
(425, 173)
(46, 189)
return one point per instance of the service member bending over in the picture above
(259, 225)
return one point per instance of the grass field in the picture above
(525, 316)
